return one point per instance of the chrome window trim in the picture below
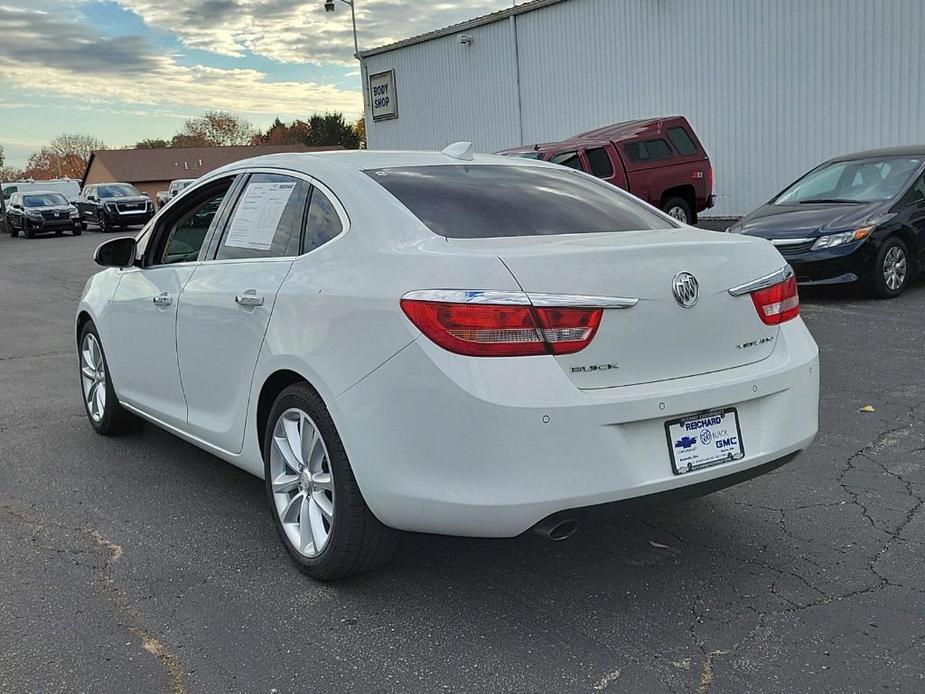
(516, 298)
(770, 280)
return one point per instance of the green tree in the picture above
(152, 143)
(360, 129)
(331, 129)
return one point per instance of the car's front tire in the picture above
(103, 225)
(316, 504)
(77, 231)
(102, 406)
(892, 270)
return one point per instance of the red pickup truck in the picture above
(657, 159)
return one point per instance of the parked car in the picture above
(41, 212)
(859, 218)
(162, 198)
(68, 187)
(176, 187)
(445, 343)
(114, 205)
(659, 160)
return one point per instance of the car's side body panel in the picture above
(218, 340)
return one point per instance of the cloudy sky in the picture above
(125, 70)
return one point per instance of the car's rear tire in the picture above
(680, 209)
(102, 406)
(892, 269)
(313, 495)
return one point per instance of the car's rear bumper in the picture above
(489, 447)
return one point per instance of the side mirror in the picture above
(116, 252)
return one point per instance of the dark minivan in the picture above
(659, 160)
(858, 218)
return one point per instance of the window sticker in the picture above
(257, 217)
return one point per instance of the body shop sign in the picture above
(382, 95)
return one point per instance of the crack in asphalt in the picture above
(128, 615)
(882, 581)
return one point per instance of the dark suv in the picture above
(659, 160)
(41, 212)
(113, 205)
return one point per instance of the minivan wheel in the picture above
(892, 269)
(102, 406)
(678, 208)
(316, 504)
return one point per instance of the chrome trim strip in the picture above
(513, 298)
(790, 242)
(582, 301)
(775, 277)
(469, 296)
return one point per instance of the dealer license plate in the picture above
(705, 439)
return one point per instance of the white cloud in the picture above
(51, 54)
(300, 30)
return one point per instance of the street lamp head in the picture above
(329, 6)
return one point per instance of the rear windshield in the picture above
(488, 200)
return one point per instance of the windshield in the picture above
(43, 200)
(115, 190)
(489, 200)
(863, 180)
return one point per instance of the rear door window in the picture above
(647, 150)
(569, 159)
(493, 200)
(267, 219)
(599, 161)
(681, 141)
(323, 221)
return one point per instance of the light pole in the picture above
(329, 6)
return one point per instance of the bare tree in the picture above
(213, 129)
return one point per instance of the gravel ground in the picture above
(145, 565)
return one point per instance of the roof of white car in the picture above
(363, 160)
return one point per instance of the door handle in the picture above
(248, 299)
(163, 299)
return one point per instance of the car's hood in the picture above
(127, 198)
(800, 221)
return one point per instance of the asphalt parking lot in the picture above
(142, 564)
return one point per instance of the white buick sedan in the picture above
(445, 343)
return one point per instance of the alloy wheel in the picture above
(895, 268)
(93, 377)
(302, 482)
(677, 212)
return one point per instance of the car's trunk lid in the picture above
(657, 339)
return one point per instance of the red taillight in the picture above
(778, 303)
(501, 330)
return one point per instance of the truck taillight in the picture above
(778, 303)
(503, 330)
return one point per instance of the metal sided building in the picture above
(772, 87)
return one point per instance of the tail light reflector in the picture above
(503, 330)
(778, 303)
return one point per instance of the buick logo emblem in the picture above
(685, 288)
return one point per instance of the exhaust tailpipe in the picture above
(556, 529)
